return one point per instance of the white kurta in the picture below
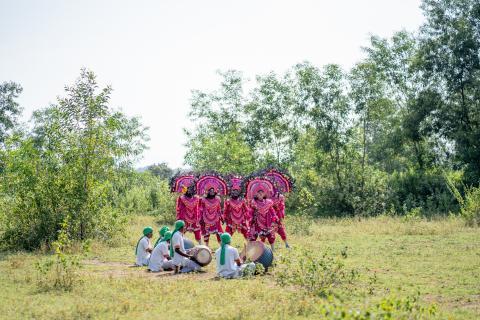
(142, 254)
(178, 260)
(157, 259)
(230, 268)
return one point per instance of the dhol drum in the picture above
(202, 254)
(258, 252)
(188, 244)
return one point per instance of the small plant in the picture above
(61, 271)
(318, 275)
(413, 214)
(469, 203)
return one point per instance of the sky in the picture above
(153, 53)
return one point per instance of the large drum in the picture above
(188, 244)
(258, 252)
(202, 254)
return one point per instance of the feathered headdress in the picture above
(211, 180)
(234, 182)
(256, 182)
(282, 181)
(182, 181)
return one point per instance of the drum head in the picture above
(203, 254)
(254, 250)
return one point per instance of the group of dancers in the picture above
(253, 206)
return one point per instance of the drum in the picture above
(258, 252)
(202, 254)
(188, 244)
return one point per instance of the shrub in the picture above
(469, 203)
(61, 271)
(317, 275)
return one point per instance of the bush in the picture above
(469, 203)
(61, 271)
(317, 275)
(421, 189)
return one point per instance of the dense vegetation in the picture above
(385, 136)
(399, 133)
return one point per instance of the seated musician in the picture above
(229, 264)
(144, 247)
(182, 261)
(160, 259)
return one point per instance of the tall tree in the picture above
(451, 53)
(9, 107)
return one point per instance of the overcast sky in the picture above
(154, 52)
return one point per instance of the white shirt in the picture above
(177, 240)
(142, 254)
(230, 267)
(158, 256)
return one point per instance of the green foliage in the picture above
(61, 271)
(147, 193)
(317, 274)
(224, 153)
(469, 202)
(67, 167)
(377, 138)
(421, 189)
(161, 170)
(389, 308)
(9, 108)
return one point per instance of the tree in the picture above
(67, 167)
(9, 108)
(161, 170)
(224, 153)
(450, 52)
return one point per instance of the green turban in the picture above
(226, 239)
(179, 224)
(162, 234)
(167, 236)
(146, 231)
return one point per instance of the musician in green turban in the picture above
(182, 261)
(144, 247)
(161, 232)
(229, 263)
(160, 259)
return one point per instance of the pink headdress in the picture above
(234, 182)
(181, 182)
(254, 184)
(211, 180)
(282, 181)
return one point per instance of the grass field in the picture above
(438, 261)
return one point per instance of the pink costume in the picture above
(187, 208)
(262, 211)
(210, 208)
(188, 211)
(236, 212)
(211, 212)
(236, 215)
(283, 183)
(264, 217)
(279, 206)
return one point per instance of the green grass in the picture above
(439, 259)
